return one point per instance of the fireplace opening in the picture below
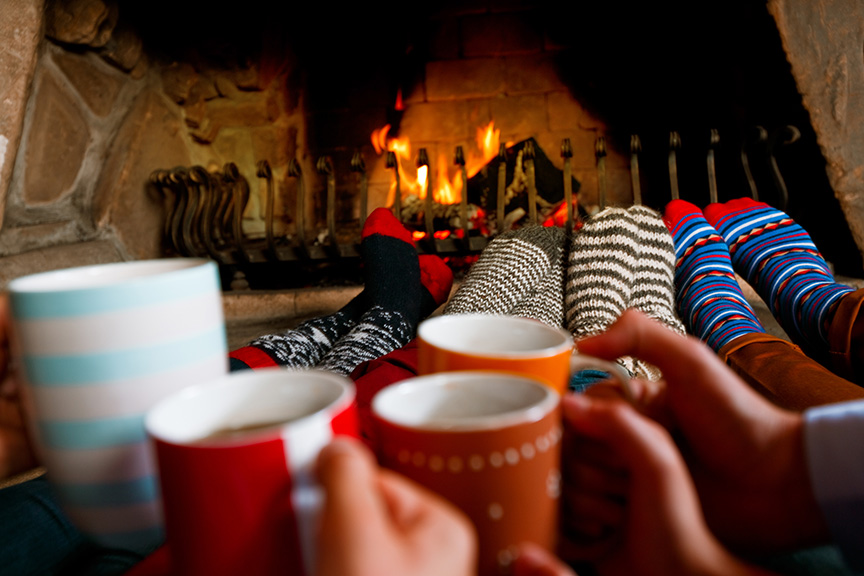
(175, 88)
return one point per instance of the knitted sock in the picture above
(778, 258)
(509, 273)
(654, 277)
(546, 302)
(386, 246)
(398, 306)
(710, 301)
(601, 268)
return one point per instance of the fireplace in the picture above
(102, 95)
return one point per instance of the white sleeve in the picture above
(834, 445)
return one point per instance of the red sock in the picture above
(436, 277)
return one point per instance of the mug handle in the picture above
(616, 371)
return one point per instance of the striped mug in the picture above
(98, 346)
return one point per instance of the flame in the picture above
(448, 184)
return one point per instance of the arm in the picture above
(836, 465)
(745, 455)
(662, 530)
(16, 454)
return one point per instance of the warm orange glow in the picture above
(441, 234)
(487, 142)
(400, 106)
(448, 180)
(379, 139)
(417, 235)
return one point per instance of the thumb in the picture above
(533, 560)
(348, 474)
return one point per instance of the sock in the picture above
(509, 273)
(546, 302)
(710, 301)
(654, 277)
(600, 272)
(383, 240)
(399, 304)
(778, 258)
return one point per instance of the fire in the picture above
(448, 180)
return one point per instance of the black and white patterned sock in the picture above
(519, 273)
(398, 307)
(600, 272)
(397, 284)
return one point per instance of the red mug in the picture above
(487, 441)
(236, 458)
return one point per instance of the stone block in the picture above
(244, 109)
(439, 121)
(535, 73)
(20, 34)
(122, 200)
(58, 137)
(565, 112)
(178, 79)
(79, 21)
(498, 34)
(97, 84)
(56, 258)
(461, 79)
(444, 43)
(520, 115)
(25, 238)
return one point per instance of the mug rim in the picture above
(51, 281)
(566, 343)
(548, 401)
(269, 376)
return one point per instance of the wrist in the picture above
(803, 517)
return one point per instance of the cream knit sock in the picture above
(520, 273)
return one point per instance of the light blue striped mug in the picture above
(98, 346)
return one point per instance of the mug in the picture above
(236, 458)
(493, 342)
(489, 442)
(98, 346)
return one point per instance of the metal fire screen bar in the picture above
(204, 210)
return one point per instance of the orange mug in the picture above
(490, 342)
(487, 441)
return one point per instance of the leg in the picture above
(846, 337)
(600, 272)
(778, 258)
(710, 301)
(397, 307)
(781, 372)
(390, 263)
(512, 276)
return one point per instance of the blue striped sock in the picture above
(709, 299)
(778, 258)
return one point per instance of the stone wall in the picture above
(823, 40)
(87, 116)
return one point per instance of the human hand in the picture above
(533, 560)
(661, 530)
(16, 453)
(745, 455)
(377, 523)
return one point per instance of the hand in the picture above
(377, 523)
(662, 530)
(746, 456)
(16, 453)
